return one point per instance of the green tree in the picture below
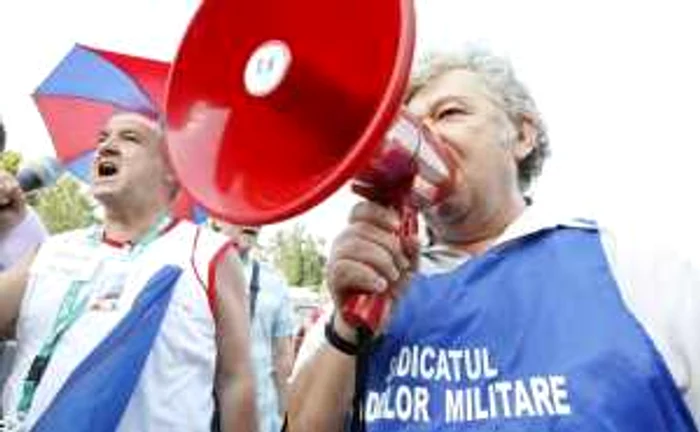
(10, 160)
(64, 206)
(298, 256)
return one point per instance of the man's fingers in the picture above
(390, 241)
(369, 253)
(411, 248)
(349, 275)
(376, 214)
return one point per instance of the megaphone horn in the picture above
(270, 109)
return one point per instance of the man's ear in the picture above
(170, 179)
(527, 137)
(172, 182)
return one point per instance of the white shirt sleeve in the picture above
(662, 290)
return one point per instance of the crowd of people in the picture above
(515, 317)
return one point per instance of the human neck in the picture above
(130, 226)
(478, 233)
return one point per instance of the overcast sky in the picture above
(618, 84)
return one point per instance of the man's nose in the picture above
(431, 126)
(107, 146)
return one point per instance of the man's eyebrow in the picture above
(451, 98)
(131, 131)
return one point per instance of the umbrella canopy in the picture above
(85, 89)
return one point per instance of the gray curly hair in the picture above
(511, 95)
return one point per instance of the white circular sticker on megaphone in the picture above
(267, 67)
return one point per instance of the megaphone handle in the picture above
(368, 311)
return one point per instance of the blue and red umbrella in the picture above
(85, 89)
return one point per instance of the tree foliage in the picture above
(298, 255)
(64, 206)
(9, 161)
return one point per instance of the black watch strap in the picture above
(338, 342)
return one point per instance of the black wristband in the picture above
(338, 342)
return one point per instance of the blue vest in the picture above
(531, 336)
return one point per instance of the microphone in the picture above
(38, 174)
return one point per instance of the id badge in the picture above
(109, 285)
(80, 264)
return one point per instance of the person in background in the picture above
(136, 324)
(20, 228)
(308, 323)
(272, 327)
(518, 317)
(21, 231)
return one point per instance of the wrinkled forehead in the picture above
(134, 121)
(457, 83)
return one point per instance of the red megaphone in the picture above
(274, 105)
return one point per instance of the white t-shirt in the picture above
(660, 288)
(174, 391)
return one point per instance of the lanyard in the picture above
(72, 307)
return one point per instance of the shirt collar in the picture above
(537, 217)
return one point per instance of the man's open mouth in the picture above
(107, 168)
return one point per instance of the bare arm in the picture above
(234, 384)
(13, 283)
(321, 394)
(367, 256)
(283, 355)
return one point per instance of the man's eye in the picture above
(449, 112)
(131, 138)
